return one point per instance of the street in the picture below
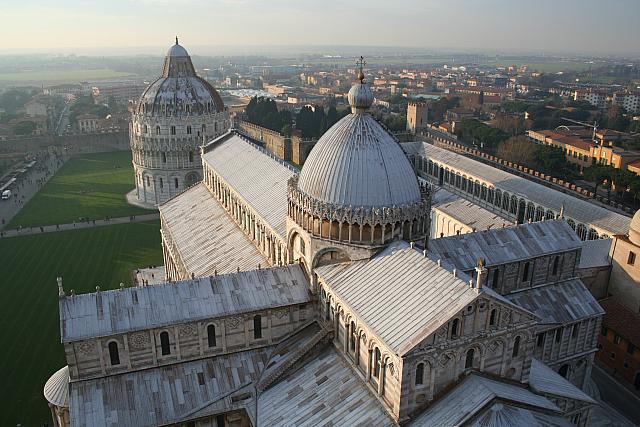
(616, 395)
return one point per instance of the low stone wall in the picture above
(293, 149)
(77, 143)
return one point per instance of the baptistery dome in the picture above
(634, 229)
(179, 91)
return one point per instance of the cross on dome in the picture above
(361, 63)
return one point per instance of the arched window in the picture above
(157, 130)
(211, 335)
(376, 362)
(164, 343)
(492, 317)
(352, 339)
(419, 374)
(327, 314)
(556, 263)
(175, 182)
(114, 356)
(468, 362)
(173, 130)
(188, 130)
(257, 327)
(164, 158)
(455, 326)
(191, 156)
(516, 347)
(525, 272)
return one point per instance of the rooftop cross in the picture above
(176, 39)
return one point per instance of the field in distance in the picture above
(88, 186)
(60, 76)
(84, 258)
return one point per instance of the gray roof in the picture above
(473, 395)
(401, 295)
(139, 308)
(323, 391)
(504, 415)
(504, 245)
(467, 212)
(165, 395)
(577, 209)
(204, 235)
(357, 163)
(56, 389)
(545, 380)
(255, 175)
(560, 303)
(595, 253)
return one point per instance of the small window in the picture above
(604, 331)
(540, 340)
(376, 362)
(157, 130)
(468, 363)
(496, 277)
(492, 317)
(327, 314)
(175, 182)
(516, 347)
(352, 338)
(558, 334)
(525, 272)
(257, 327)
(173, 130)
(220, 421)
(556, 264)
(419, 374)
(564, 371)
(631, 348)
(204, 128)
(188, 130)
(191, 156)
(164, 343)
(616, 339)
(114, 356)
(211, 335)
(146, 129)
(164, 158)
(575, 330)
(455, 325)
(632, 258)
(612, 356)
(161, 183)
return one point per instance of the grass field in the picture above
(90, 186)
(61, 75)
(543, 67)
(29, 304)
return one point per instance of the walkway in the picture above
(27, 231)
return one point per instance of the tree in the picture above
(481, 98)
(332, 116)
(24, 128)
(550, 159)
(517, 149)
(634, 189)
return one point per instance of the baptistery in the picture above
(175, 115)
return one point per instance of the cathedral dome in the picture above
(179, 91)
(358, 163)
(634, 229)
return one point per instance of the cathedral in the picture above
(174, 116)
(315, 297)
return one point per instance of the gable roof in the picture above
(505, 245)
(543, 379)
(140, 308)
(254, 174)
(401, 295)
(559, 303)
(472, 395)
(204, 235)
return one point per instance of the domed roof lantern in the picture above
(360, 95)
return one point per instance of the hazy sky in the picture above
(543, 26)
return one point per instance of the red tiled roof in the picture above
(621, 320)
(576, 142)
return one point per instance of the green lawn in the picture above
(29, 304)
(90, 186)
(62, 75)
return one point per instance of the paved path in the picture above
(26, 231)
(27, 186)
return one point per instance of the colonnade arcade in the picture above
(511, 206)
(359, 225)
(266, 239)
